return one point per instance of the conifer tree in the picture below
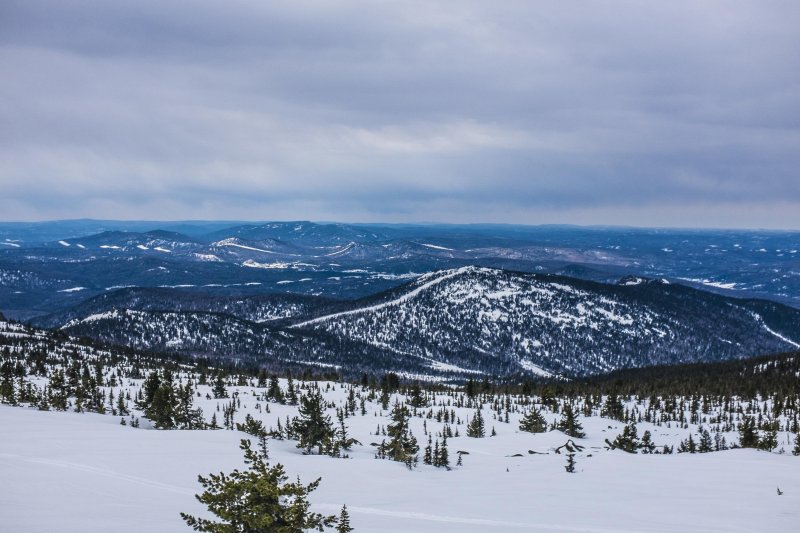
(59, 394)
(570, 466)
(796, 450)
(706, 444)
(343, 525)
(647, 444)
(313, 428)
(161, 409)
(627, 441)
(7, 392)
(569, 423)
(476, 428)
(187, 416)
(613, 408)
(122, 408)
(402, 445)
(415, 398)
(219, 390)
(427, 456)
(444, 455)
(533, 422)
(688, 446)
(256, 500)
(274, 392)
(291, 393)
(151, 384)
(343, 440)
(252, 426)
(770, 439)
(748, 435)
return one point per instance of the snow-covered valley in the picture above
(85, 472)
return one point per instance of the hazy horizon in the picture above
(202, 221)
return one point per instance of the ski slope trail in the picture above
(439, 277)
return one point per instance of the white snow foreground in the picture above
(69, 472)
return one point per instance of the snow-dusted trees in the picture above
(344, 521)
(748, 433)
(402, 445)
(627, 441)
(569, 423)
(167, 405)
(533, 422)
(476, 428)
(258, 499)
(313, 428)
(219, 390)
(7, 394)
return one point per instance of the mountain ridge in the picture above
(465, 321)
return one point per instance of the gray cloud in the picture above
(679, 113)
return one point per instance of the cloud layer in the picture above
(676, 113)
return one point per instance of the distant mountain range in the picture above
(50, 267)
(464, 322)
(423, 300)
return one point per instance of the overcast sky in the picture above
(640, 113)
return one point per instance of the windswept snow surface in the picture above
(86, 473)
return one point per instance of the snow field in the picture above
(85, 472)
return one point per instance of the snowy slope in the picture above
(86, 473)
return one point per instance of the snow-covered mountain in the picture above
(474, 318)
(49, 267)
(465, 321)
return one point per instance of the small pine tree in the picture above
(257, 499)
(314, 427)
(274, 392)
(402, 445)
(219, 390)
(647, 442)
(570, 466)
(427, 456)
(706, 443)
(796, 450)
(770, 439)
(443, 456)
(628, 440)
(688, 446)
(476, 428)
(569, 423)
(748, 434)
(252, 426)
(343, 526)
(533, 422)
